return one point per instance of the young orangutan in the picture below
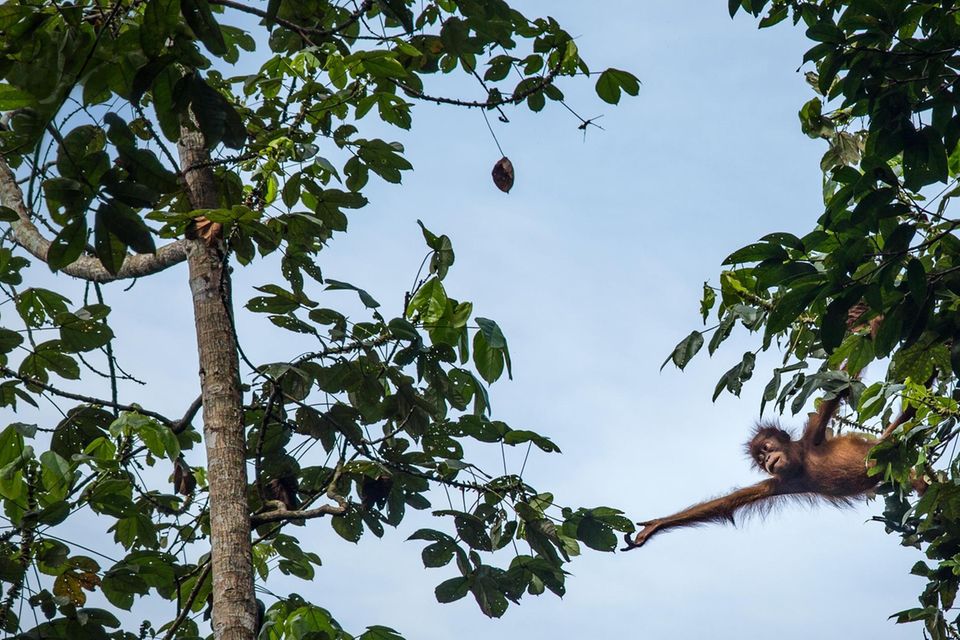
(811, 467)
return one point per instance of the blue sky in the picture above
(593, 267)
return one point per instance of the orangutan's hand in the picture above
(649, 528)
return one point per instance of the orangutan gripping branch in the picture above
(811, 467)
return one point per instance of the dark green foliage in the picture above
(95, 98)
(878, 275)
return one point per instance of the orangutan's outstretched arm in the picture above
(716, 510)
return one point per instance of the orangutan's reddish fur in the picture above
(810, 468)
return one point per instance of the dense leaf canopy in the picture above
(877, 280)
(97, 96)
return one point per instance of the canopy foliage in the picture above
(289, 99)
(884, 251)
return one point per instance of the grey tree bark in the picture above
(234, 603)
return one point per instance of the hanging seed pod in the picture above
(284, 490)
(184, 482)
(503, 174)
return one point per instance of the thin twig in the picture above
(345, 348)
(188, 417)
(10, 373)
(185, 610)
(275, 394)
(302, 30)
(114, 394)
(515, 98)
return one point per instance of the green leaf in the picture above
(198, 15)
(55, 513)
(789, 307)
(442, 258)
(685, 350)
(890, 331)
(121, 583)
(499, 68)
(707, 302)
(377, 632)
(452, 590)
(721, 333)
(596, 535)
(288, 547)
(489, 361)
(81, 155)
(68, 245)
(403, 330)
(776, 15)
(834, 325)
(148, 171)
(159, 22)
(37, 306)
(83, 425)
(734, 378)
(899, 239)
(917, 280)
(13, 98)
(56, 475)
(79, 334)
(300, 569)
(472, 531)
(123, 223)
(825, 31)
(430, 301)
(217, 118)
(49, 357)
(11, 445)
(160, 440)
(110, 250)
(496, 340)
(519, 436)
(365, 298)
(399, 11)
(612, 81)
(348, 526)
(919, 362)
(438, 554)
(430, 534)
(756, 252)
(9, 340)
(488, 592)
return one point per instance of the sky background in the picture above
(593, 266)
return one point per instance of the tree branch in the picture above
(277, 516)
(282, 515)
(292, 26)
(356, 345)
(85, 267)
(188, 417)
(10, 373)
(515, 98)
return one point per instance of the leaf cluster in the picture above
(101, 103)
(877, 277)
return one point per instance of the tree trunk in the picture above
(234, 604)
